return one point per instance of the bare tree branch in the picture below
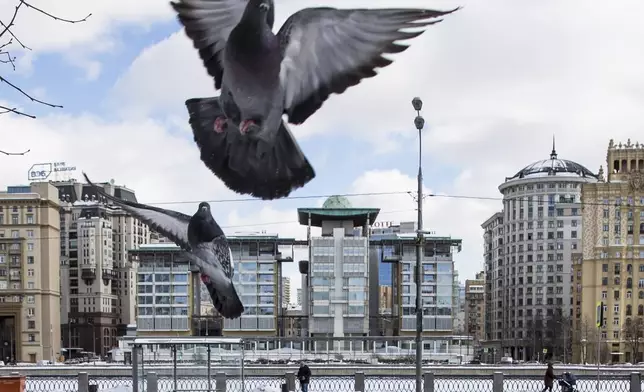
(14, 153)
(8, 59)
(4, 109)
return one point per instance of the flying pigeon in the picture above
(262, 75)
(204, 243)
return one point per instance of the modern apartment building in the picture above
(386, 274)
(165, 284)
(338, 277)
(475, 308)
(258, 278)
(99, 296)
(612, 269)
(30, 273)
(529, 278)
(286, 291)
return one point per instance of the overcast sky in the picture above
(498, 79)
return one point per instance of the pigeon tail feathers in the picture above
(226, 302)
(248, 165)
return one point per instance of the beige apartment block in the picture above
(612, 268)
(30, 273)
(98, 278)
(475, 307)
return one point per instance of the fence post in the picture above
(428, 382)
(220, 381)
(290, 381)
(636, 382)
(497, 382)
(358, 383)
(152, 381)
(83, 382)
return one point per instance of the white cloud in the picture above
(98, 34)
(159, 166)
(498, 79)
(494, 70)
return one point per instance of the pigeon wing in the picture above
(328, 50)
(212, 259)
(208, 24)
(171, 224)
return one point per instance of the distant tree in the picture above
(632, 333)
(584, 338)
(9, 41)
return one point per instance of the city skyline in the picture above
(484, 122)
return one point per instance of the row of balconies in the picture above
(90, 274)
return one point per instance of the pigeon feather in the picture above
(208, 24)
(327, 50)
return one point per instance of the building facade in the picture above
(258, 279)
(165, 285)
(338, 277)
(493, 236)
(99, 299)
(529, 279)
(286, 291)
(475, 308)
(299, 297)
(612, 269)
(30, 273)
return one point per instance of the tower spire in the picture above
(553, 154)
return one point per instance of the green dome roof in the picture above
(335, 202)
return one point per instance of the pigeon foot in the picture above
(205, 278)
(247, 126)
(220, 124)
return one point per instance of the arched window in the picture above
(629, 310)
(640, 310)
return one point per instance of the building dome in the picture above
(552, 167)
(335, 202)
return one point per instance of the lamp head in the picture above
(419, 122)
(417, 103)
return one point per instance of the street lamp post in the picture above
(419, 122)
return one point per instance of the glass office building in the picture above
(164, 292)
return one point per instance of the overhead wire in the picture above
(223, 227)
(365, 194)
(560, 203)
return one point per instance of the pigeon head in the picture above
(260, 5)
(204, 209)
(262, 9)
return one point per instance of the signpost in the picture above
(39, 172)
(600, 324)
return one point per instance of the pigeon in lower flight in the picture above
(262, 76)
(204, 244)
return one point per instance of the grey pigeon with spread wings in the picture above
(204, 244)
(262, 75)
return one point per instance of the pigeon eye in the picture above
(264, 6)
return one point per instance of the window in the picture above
(32, 337)
(31, 324)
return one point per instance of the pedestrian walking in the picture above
(549, 378)
(304, 375)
